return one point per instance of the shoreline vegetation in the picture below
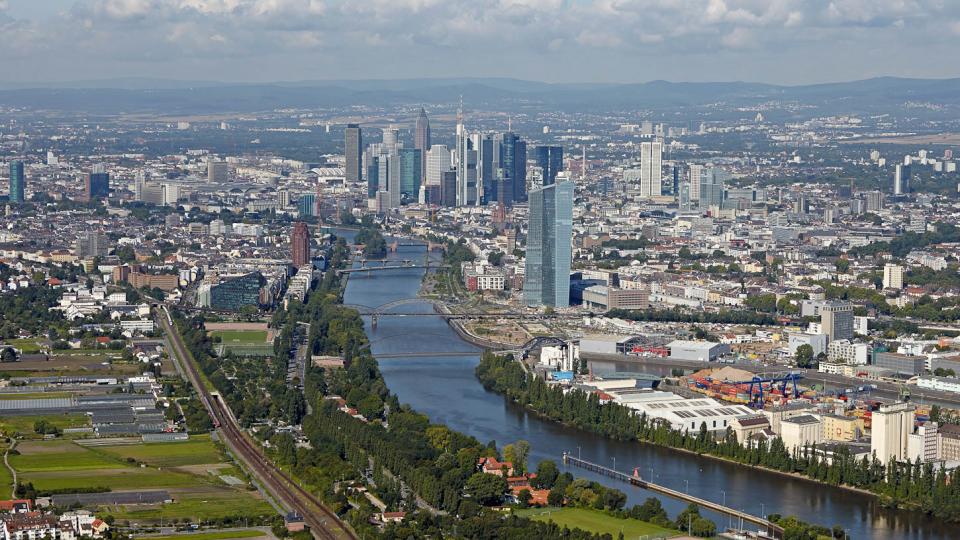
(910, 486)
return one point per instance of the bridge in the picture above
(393, 246)
(770, 527)
(384, 310)
(405, 264)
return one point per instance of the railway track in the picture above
(323, 523)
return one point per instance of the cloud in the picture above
(434, 37)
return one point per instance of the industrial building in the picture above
(682, 414)
(609, 344)
(702, 351)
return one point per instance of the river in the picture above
(445, 389)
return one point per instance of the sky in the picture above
(773, 41)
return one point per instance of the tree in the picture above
(524, 498)
(547, 474)
(8, 355)
(555, 497)
(486, 489)
(804, 356)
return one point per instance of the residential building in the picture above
(651, 164)
(549, 250)
(844, 351)
(901, 180)
(925, 444)
(300, 244)
(892, 276)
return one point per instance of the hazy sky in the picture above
(780, 41)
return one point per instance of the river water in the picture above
(443, 386)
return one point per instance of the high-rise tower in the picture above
(17, 181)
(353, 148)
(549, 232)
(300, 244)
(421, 139)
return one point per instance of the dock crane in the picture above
(760, 381)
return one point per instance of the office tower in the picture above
(711, 187)
(410, 172)
(892, 276)
(448, 189)
(352, 148)
(17, 181)
(646, 127)
(511, 182)
(307, 204)
(695, 172)
(547, 268)
(683, 199)
(438, 162)
(217, 172)
(891, 427)
(675, 188)
(283, 199)
(901, 180)
(300, 244)
(651, 157)
(96, 185)
(421, 138)
(488, 164)
(394, 184)
(550, 161)
(836, 320)
(171, 194)
(391, 138)
(874, 201)
(465, 162)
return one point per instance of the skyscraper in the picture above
(352, 149)
(410, 172)
(651, 161)
(711, 187)
(17, 181)
(695, 172)
(901, 180)
(549, 232)
(511, 181)
(96, 185)
(300, 244)
(465, 161)
(421, 138)
(438, 162)
(550, 161)
(307, 205)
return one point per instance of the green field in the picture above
(197, 505)
(24, 424)
(197, 451)
(597, 522)
(241, 337)
(26, 345)
(219, 535)
(59, 456)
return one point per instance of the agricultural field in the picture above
(217, 535)
(10, 425)
(93, 363)
(25, 345)
(189, 470)
(597, 522)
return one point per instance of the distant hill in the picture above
(130, 95)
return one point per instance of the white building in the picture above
(439, 161)
(925, 443)
(651, 162)
(891, 427)
(845, 352)
(892, 276)
(800, 431)
(681, 413)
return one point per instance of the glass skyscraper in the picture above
(550, 161)
(410, 171)
(307, 204)
(549, 232)
(711, 187)
(17, 181)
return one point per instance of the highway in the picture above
(323, 523)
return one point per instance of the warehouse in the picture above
(682, 414)
(609, 343)
(702, 351)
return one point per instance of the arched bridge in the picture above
(540, 341)
(376, 312)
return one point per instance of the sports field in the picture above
(241, 337)
(597, 522)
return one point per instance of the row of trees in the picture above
(935, 491)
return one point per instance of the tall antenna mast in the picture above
(460, 111)
(510, 123)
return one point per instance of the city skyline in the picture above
(784, 42)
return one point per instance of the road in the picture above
(323, 523)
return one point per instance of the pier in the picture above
(771, 528)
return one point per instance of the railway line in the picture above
(323, 523)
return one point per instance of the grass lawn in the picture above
(24, 424)
(58, 455)
(6, 479)
(196, 505)
(118, 479)
(241, 337)
(219, 535)
(597, 522)
(26, 345)
(198, 450)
